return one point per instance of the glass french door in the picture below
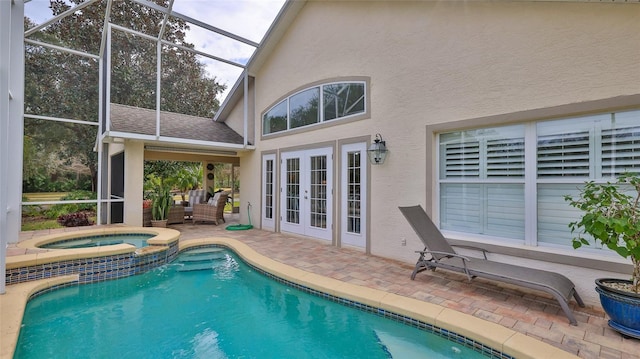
(353, 203)
(307, 193)
(268, 191)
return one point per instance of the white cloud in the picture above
(249, 19)
(246, 18)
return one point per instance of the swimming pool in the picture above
(228, 310)
(138, 240)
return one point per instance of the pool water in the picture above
(137, 239)
(212, 305)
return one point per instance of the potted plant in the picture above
(161, 204)
(611, 216)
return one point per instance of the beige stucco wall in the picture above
(134, 185)
(235, 119)
(442, 62)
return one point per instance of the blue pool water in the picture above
(212, 305)
(137, 239)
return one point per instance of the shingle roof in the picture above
(138, 120)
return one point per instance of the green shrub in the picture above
(56, 182)
(75, 220)
(65, 208)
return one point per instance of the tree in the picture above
(188, 177)
(52, 86)
(64, 85)
(186, 88)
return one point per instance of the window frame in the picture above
(532, 179)
(364, 81)
(479, 178)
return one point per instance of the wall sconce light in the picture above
(377, 151)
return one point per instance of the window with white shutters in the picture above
(477, 190)
(482, 177)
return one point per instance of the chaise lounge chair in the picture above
(441, 254)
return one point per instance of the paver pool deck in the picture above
(527, 312)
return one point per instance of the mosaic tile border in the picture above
(441, 332)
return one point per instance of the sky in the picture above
(249, 19)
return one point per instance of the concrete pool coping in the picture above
(162, 237)
(508, 341)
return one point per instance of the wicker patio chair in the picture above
(213, 212)
(195, 196)
(176, 214)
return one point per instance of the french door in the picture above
(268, 191)
(353, 201)
(306, 193)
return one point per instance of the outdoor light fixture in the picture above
(377, 151)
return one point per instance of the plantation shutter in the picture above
(565, 149)
(462, 159)
(564, 154)
(620, 150)
(473, 195)
(505, 157)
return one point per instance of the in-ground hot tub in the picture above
(100, 236)
(138, 240)
(94, 263)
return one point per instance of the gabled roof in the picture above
(285, 17)
(142, 121)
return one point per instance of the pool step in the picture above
(398, 347)
(203, 250)
(196, 267)
(201, 258)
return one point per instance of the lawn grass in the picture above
(44, 196)
(39, 224)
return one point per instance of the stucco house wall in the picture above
(235, 118)
(448, 64)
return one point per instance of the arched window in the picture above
(339, 100)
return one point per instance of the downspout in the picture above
(246, 107)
